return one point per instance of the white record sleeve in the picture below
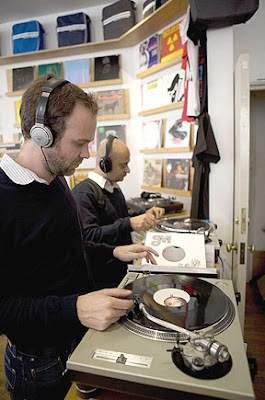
(185, 250)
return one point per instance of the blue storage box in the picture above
(73, 29)
(27, 36)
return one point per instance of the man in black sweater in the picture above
(110, 222)
(46, 302)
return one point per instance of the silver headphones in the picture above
(41, 134)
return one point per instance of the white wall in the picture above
(249, 38)
(224, 46)
(130, 67)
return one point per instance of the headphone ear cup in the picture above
(41, 135)
(105, 165)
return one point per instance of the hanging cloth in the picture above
(205, 152)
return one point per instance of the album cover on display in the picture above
(171, 45)
(149, 52)
(113, 102)
(152, 134)
(55, 69)
(17, 112)
(151, 94)
(152, 172)
(177, 133)
(176, 172)
(77, 71)
(107, 67)
(78, 176)
(92, 147)
(116, 130)
(182, 250)
(22, 78)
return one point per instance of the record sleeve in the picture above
(186, 250)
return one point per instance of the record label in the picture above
(182, 300)
(172, 297)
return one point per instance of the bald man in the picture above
(110, 223)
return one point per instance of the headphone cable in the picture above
(52, 173)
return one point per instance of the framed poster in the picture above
(116, 130)
(78, 176)
(177, 133)
(152, 172)
(77, 71)
(176, 173)
(107, 68)
(113, 104)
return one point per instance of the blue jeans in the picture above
(36, 378)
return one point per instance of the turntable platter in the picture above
(182, 300)
(183, 225)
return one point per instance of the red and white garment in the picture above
(190, 64)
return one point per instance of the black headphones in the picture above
(41, 134)
(105, 162)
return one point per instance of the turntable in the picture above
(181, 340)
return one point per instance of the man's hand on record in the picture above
(135, 251)
(100, 309)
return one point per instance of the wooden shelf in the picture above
(186, 193)
(167, 150)
(157, 110)
(164, 15)
(93, 84)
(159, 67)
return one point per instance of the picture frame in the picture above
(116, 130)
(113, 104)
(176, 173)
(152, 175)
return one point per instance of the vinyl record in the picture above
(181, 300)
(183, 225)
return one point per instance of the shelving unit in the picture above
(157, 110)
(166, 190)
(163, 16)
(159, 67)
(167, 150)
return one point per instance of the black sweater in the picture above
(43, 263)
(109, 224)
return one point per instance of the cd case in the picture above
(181, 250)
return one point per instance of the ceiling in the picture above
(16, 10)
